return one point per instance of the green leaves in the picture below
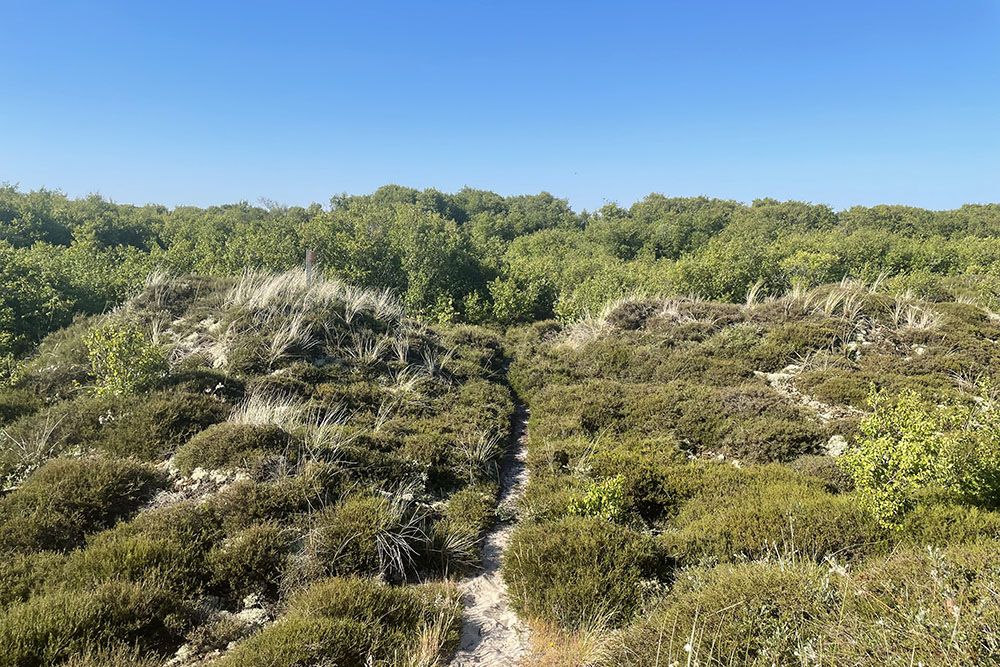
(910, 447)
(123, 358)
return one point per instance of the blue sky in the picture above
(209, 102)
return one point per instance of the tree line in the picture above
(480, 257)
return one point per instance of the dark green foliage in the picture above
(230, 445)
(251, 560)
(367, 535)
(16, 403)
(49, 628)
(787, 518)
(153, 428)
(25, 575)
(204, 381)
(348, 622)
(943, 523)
(68, 498)
(580, 569)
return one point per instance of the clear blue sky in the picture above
(208, 102)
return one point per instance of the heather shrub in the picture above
(230, 445)
(249, 502)
(134, 556)
(367, 534)
(826, 468)
(152, 429)
(472, 509)
(759, 614)
(922, 606)
(939, 523)
(777, 518)
(67, 498)
(25, 575)
(63, 427)
(350, 622)
(251, 561)
(16, 403)
(783, 343)
(194, 379)
(49, 628)
(580, 569)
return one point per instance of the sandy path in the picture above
(492, 634)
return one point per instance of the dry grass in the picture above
(551, 646)
(434, 637)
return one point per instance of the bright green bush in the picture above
(604, 499)
(230, 445)
(67, 498)
(579, 570)
(908, 445)
(122, 357)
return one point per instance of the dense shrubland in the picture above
(297, 455)
(737, 515)
(759, 434)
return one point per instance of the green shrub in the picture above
(25, 575)
(251, 561)
(826, 468)
(122, 357)
(908, 445)
(922, 606)
(129, 555)
(16, 403)
(350, 622)
(300, 641)
(473, 509)
(757, 614)
(67, 498)
(64, 426)
(154, 428)
(230, 445)
(944, 523)
(580, 569)
(604, 499)
(780, 518)
(247, 502)
(367, 535)
(790, 340)
(49, 628)
(205, 382)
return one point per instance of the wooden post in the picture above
(310, 261)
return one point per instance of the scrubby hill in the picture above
(270, 469)
(796, 464)
(811, 479)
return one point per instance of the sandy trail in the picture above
(492, 634)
